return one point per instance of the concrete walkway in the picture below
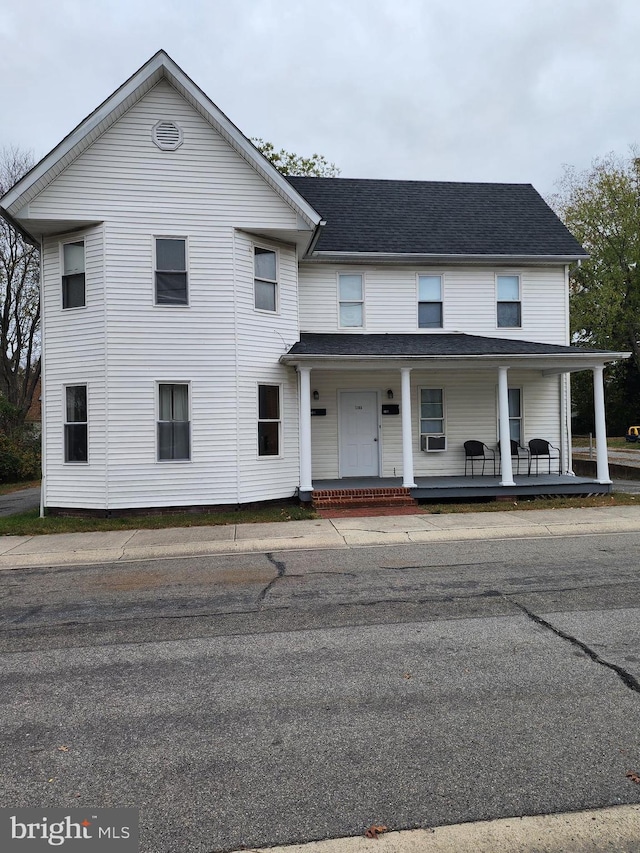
(336, 533)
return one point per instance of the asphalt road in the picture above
(274, 698)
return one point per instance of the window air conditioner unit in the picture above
(432, 443)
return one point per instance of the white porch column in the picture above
(407, 440)
(305, 429)
(505, 432)
(602, 457)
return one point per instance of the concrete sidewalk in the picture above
(337, 533)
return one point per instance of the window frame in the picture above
(154, 249)
(277, 420)
(275, 282)
(361, 301)
(420, 302)
(71, 241)
(423, 436)
(158, 421)
(67, 423)
(500, 302)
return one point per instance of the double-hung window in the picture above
(351, 300)
(173, 422)
(509, 311)
(268, 420)
(171, 271)
(515, 414)
(432, 425)
(429, 301)
(76, 444)
(265, 279)
(73, 280)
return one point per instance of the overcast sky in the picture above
(480, 90)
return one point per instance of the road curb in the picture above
(616, 828)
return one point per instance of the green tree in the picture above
(288, 163)
(19, 304)
(601, 207)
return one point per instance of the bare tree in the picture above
(19, 303)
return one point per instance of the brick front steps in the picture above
(361, 498)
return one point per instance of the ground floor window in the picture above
(174, 426)
(76, 444)
(515, 414)
(268, 420)
(432, 424)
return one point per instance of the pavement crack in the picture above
(627, 679)
(280, 569)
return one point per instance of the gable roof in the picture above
(436, 218)
(159, 67)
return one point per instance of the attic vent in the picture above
(167, 135)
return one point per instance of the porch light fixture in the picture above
(389, 394)
(316, 395)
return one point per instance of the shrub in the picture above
(19, 455)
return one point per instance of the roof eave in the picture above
(439, 257)
(26, 236)
(590, 357)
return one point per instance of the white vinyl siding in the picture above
(469, 301)
(206, 191)
(471, 392)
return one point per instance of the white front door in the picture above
(359, 434)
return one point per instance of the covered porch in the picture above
(446, 389)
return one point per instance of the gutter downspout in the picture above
(43, 387)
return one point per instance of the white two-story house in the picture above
(215, 334)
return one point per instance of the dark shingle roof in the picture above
(435, 218)
(457, 344)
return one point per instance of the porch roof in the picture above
(314, 346)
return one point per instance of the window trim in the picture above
(509, 302)
(160, 382)
(61, 245)
(419, 301)
(66, 423)
(260, 420)
(154, 252)
(423, 436)
(363, 301)
(275, 282)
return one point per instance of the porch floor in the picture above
(472, 487)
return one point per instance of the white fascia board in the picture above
(422, 257)
(565, 362)
(161, 65)
(79, 134)
(239, 142)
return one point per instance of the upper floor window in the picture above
(268, 420)
(265, 279)
(73, 283)
(509, 309)
(429, 301)
(171, 271)
(351, 300)
(173, 422)
(76, 445)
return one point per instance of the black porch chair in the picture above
(475, 451)
(518, 452)
(540, 448)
